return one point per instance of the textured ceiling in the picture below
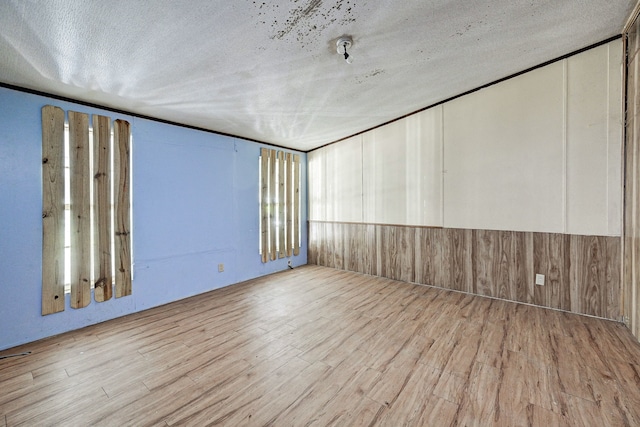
(269, 71)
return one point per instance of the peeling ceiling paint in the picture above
(269, 71)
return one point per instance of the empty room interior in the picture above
(320, 212)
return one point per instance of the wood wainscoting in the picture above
(582, 273)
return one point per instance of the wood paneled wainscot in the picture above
(582, 273)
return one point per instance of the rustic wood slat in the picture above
(52, 209)
(296, 204)
(273, 192)
(281, 205)
(102, 274)
(264, 188)
(80, 174)
(289, 204)
(122, 179)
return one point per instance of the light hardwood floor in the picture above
(315, 347)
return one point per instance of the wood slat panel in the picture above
(461, 258)
(582, 273)
(588, 274)
(273, 191)
(296, 204)
(312, 250)
(102, 275)
(329, 256)
(52, 210)
(613, 273)
(551, 257)
(424, 257)
(122, 208)
(334, 234)
(353, 246)
(501, 265)
(369, 252)
(396, 252)
(264, 182)
(80, 173)
(281, 205)
(289, 204)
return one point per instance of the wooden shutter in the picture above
(121, 161)
(280, 204)
(83, 175)
(296, 204)
(80, 173)
(289, 205)
(103, 278)
(264, 208)
(52, 210)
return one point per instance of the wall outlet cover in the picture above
(540, 279)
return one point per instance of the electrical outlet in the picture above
(540, 279)
(220, 268)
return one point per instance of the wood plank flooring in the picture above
(316, 346)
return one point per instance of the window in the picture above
(279, 202)
(86, 208)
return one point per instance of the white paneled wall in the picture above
(402, 164)
(539, 152)
(594, 141)
(504, 157)
(336, 193)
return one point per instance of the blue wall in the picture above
(195, 205)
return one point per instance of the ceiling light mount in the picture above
(342, 45)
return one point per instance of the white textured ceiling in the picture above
(269, 71)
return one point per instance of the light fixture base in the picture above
(343, 43)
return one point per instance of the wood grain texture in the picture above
(343, 349)
(500, 265)
(552, 259)
(281, 206)
(273, 193)
(80, 174)
(122, 208)
(396, 251)
(264, 188)
(52, 210)
(630, 289)
(296, 204)
(102, 275)
(582, 273)
(288, 203)
(460, 244)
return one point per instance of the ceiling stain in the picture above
(363, 78)
(306, 20)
